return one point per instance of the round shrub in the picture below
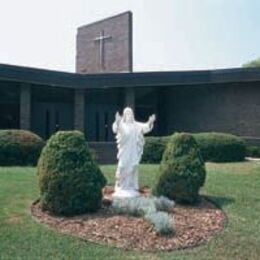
(182, 170)
(220, 147)
(70, 180)
(19, 147)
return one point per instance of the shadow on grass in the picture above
(220, 201)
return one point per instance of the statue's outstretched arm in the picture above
(148, 126)
(151, 120)
(116, 123)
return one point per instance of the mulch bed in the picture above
(194, 225)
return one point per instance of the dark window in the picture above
(9, 116)
(9, 105)
(97, 126)
(106, 126)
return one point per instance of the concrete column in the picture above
(130, 98)
(79, 110)
(25, 106)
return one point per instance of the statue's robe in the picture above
(130, 143)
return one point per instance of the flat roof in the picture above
(126, 79)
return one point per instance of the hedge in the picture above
(154, 148)
(214, 147)
(253, 151)
(19, 147)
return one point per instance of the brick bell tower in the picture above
(105, 46)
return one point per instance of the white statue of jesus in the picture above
(130, 143)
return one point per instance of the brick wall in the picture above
(232, 107)
(79, 110)
(117, 49)
(25, 106)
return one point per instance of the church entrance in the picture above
(49, 118)
(146, 104)
(101, 106)
(99, 120)
(52, 110)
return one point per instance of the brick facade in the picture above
(25, 106)
(117, 48)
(230, 107)
(79, 110)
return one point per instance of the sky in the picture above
(167, 34)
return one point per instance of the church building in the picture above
(45, 101)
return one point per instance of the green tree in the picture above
(252, 64)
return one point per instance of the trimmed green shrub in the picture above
(214, 147)
(253, 151)
(70, 181)
(182, 170)
(94, 154)
(19, 147)
(154, 148)
(220, 147)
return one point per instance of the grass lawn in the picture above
(234, 186)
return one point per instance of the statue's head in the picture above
(128, 115)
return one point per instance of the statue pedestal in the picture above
(122, 194)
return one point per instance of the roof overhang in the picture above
(126, 79)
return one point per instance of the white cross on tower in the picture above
(101, 39)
